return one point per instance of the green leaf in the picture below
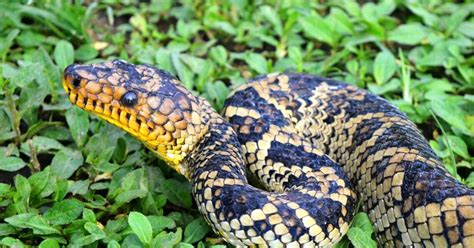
(316, 27)
(459, 146)
(64, 212)
(256, 62)
(159, 223)
(450, 112)
(167, 240)
(219, 55)
(63, 54)
(140, 226)
(272, 16)
(11, 242)
(86, 52)
(7, 229)
(78, 122)
(42, 144)
(391, 86)
(195, 231)
(362, 221)
(113, 244)
(384, 67)
(360, 238)
(49, 243)
(408, 34)
(177, 192)
(33, 221)
(11, 163)
(66, 162)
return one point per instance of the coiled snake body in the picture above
(311, 142)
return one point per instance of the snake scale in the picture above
(311, 142)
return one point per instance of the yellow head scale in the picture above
(147, 102)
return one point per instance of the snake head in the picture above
(147, 102)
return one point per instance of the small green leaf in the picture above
(318, 28)
(11, 242)
(219, 55)
(408, 34)
(66, 162)
(113, 244)
(159, 223)
(177, 192)
(360, 238)
(64, 212)
(384, 67)
(450, 112)
(78, 122)
(256, 62)
(49, 243)
(11, 163)
(63, 54)
(272, 16)
(195, 230)
(7, 229)
(167, 240)
(459, 146)
(362, 221)
(86, 52)
(140, 226)
(33, 221)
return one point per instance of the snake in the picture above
(289, 158)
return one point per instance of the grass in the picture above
(62, 182)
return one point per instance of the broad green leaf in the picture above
(362, 221)
(42, 145)
(140, 226)
(451, 113)
(113, 244)
(342, 23)
(11, 242)
(33, 221)
(257, 62)
(177, 192)
(316, 27)
(219, 55)
(459, 146)
(6, 229)
(78, 122)
(63, 54)
(86, 52)
(64, 212)
(272, 16)
(167, 240)
(195, 230)
(391, 86)
(159, 223)
(384, 67)
(408, 34)
(49, 243)
(66, 162)
(360, 238)
(42, 183)
(11, 164)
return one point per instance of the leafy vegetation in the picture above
(69, 178)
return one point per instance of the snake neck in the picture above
(219, 150)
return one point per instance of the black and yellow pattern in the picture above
(300, 136)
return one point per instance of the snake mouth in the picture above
(115, 115)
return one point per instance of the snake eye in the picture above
(129, 99)
(76, 82)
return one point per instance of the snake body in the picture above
(311, 142)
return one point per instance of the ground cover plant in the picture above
(68, 178)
